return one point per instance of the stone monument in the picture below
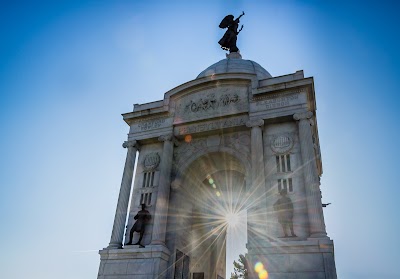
(233, 138)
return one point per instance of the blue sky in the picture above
(69, 69)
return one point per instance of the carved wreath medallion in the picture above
(151, 161)
(282, 144)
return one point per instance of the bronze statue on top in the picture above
(142, 218)
(228, 41)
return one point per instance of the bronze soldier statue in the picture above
(228, 41)
(142, 218)
(284, 208)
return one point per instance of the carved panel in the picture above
(238, 141)
(211, 102)
(191, 147)
(279, 100)
(148, 124)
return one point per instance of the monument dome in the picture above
(234, 63)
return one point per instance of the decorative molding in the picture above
(163, 115)
(255, 123)
(130, 143)
(303, 115)
(151, 161)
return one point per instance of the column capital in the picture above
(302, 115)
(255, 123)
(168, 137)
(130, 143)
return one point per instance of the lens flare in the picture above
(214, 186)
(232, 219)
(218, 194)
(263, 274)
(258, 267)
(211, 181)
(188, 138)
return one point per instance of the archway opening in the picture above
(231, 199)
(215, 185)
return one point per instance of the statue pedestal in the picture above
(290, 259)
(134, 262)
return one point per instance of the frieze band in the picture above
(215, 125)
(151, 124)
(211, 102)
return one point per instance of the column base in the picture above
(134, 262)
(114, 246)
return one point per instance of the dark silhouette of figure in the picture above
(142, 218)
(284, 208)
(228, 41)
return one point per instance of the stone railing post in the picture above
(164, 186)
(311, 179)
(123, 198)
(257, 192)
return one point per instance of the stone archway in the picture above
(208, 202)
(242, 122)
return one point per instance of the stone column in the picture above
(124, 193)
(164, 186)
(311, 179)
(257, 192)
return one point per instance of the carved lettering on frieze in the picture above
(214, 125)
(211, 102)
(278, 100)
(145, 125)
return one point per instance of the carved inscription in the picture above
(149, 124)
(146, 125)
(211, 102)
(278, 101)
(215, 125)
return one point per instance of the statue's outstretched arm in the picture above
(239, 30)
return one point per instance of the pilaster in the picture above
(161, 209)
(311, 179)
(257, 208)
